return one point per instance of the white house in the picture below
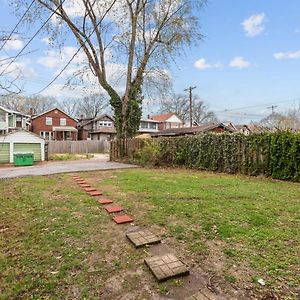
(11, 120)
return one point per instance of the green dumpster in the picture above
(23, 159)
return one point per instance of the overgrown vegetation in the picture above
(69, 156)
(271, 154)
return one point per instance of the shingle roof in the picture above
(163, 117)
(191, 130)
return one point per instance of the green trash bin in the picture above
(23, 159)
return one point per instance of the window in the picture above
(152, 125)
(2, 116)
(63, 121)
(48, 121)
(19, 121)
(46, 135)
(144, 125)
(105, 124)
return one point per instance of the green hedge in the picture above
(272, 154)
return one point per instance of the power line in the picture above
(259, 105)
(31, 39)
(16, 26)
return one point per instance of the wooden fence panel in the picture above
(78, 147)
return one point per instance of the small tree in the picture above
(140, 35)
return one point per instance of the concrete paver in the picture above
(142, 237)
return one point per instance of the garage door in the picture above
(34, 148)
(4, 152)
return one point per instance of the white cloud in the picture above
(201, 64)
(46, 40)
(14, 43)
(287, 55)
(18, 69)
(254, 25)
(239, 63)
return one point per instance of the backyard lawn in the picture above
(58, 243)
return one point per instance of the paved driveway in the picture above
(101, 162)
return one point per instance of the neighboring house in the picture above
(21, 141)
(11, 120)
(55, 124)
(251, 128)
(148, 126)
(100, 128)
(210, 127)
(167, 121)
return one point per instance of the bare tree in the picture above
(70, 106)
(37, 104)
(142, 35)
(276, 121)
(91, 106)
(180, 105)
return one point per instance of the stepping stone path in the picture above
(204, 295)
(105, 201)
(90, 189)
(122, 219)
(142, 237)
(163, 267)
(84, 185)
(95, 193)
(166, 266)
(113, 209)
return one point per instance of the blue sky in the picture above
(250, 56)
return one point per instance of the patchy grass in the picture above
(252, 224)
(69, 156)
(57, 243)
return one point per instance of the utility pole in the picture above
(272, 108)
(190, 90)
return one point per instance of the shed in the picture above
(21, 141)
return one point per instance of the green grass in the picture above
(69, 156)
(57, 243)
(256, 220)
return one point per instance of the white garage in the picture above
(21, 141)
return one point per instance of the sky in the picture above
(248, 60)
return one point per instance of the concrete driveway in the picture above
(99, 162)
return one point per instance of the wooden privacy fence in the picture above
(127, 146)
(78, 147)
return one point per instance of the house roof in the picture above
(12, 111)
(87, 121)
(22, 130)
(191, 130)
(104, 130)
(55, 108)
(64, 128)
(163, 117)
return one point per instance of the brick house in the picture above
(167, 121)
(55, 124)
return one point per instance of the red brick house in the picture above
(167, 121)
(55, 124)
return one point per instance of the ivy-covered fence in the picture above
(272, 154)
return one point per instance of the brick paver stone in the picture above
(122, 219)
(166, 266)
(105, 201)
(113, 208)
(81, 181)
(95, 193)
(142, 237)
(76, 177)
(90, 189)
(84, 185)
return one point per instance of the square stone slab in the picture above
(95, 193)
(142, 237)
(122, 219)
(90, 189)
(113, 209)
(81, 181)
(166, 266)
(76, 177)
(204, 294)
(105, 201)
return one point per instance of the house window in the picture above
(48, 121)
(19, 122)
(144, 125)
(63, 121)
(105, 124)
(153, 125)
(46, 135)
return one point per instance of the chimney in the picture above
(148, 117)
(30, 111)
